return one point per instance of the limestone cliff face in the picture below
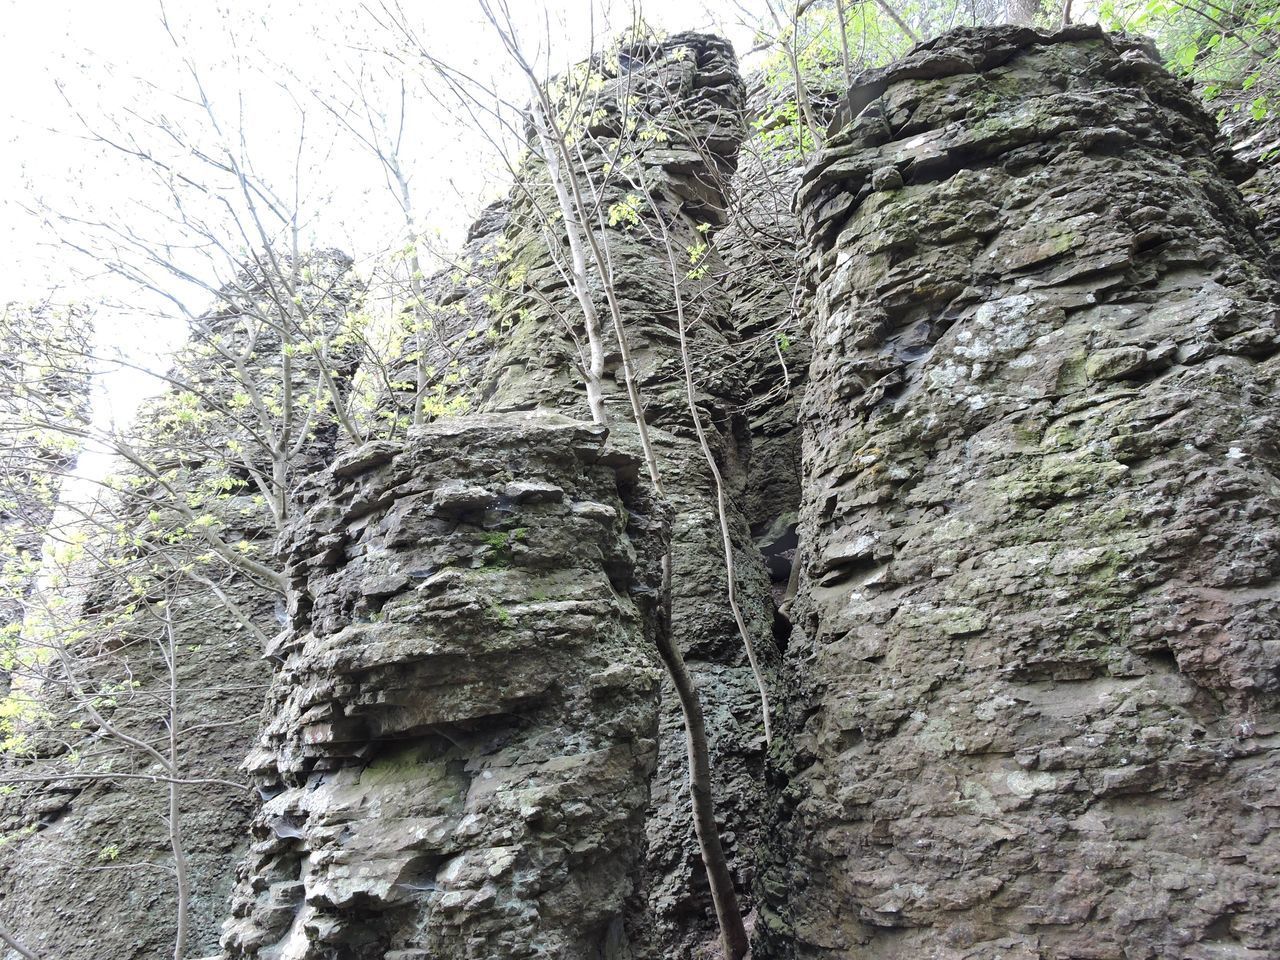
(1030, 693)
(1035, 664)
(692, 91)
(1024, 410)
(461, 735)
(646, 894)
(1262, 189)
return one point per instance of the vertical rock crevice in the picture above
(1034, 669)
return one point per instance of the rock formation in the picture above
(460, 738)
(1002, 383)
(520, 356)
(1035, 661)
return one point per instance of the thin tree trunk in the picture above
(733, 933)
(175, 805)
(730, 566)
(898, 21)
(803, 105)
(179, 870)
(732, 930)
(15, 944)
(593, 372)
(844, 45)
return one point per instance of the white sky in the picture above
(102, 53)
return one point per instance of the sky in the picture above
(276, 74)
(64, 58)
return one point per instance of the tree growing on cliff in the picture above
(561, 113)
(98, 689)
(583, 213)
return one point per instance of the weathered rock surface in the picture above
(760, 248)
(1031, 692)
(1262, 189)
(522, 356)
(1035, 662)
(463, 728)
(691, 91)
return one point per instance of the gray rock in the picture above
(460, 766)
(1033, 674)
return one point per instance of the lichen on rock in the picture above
(463, 722)
(1034, 666)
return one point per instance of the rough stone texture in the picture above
(462, 730)
(1261, 148)
(520, 352)
(86, 873)
(690, 86)
(1031, 691)
(1035, 663)
(760, 248)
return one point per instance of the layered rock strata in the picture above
(521, 346)
(1035, 660)
(692, 102)
(462, 731)
(1262, 189)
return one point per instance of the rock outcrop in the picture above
(1262, 189)
(692, 95)
(522, 358)
(1019, 430)
(462, 732)
(1035, 662)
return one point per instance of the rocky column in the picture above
(1036, 649)
(461, 734)
(685, 90)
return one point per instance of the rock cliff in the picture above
(995, 405)
(460, 737)
(1035, 660)
(520, 357)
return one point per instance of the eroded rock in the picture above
(464, 724)
(1035, 659)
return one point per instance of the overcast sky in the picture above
(109, 57)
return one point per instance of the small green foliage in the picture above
(1227, 49)
(697, 258)
(16, 835)
(499, 543)
(626, 212)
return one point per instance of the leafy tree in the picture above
(1229, 48)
